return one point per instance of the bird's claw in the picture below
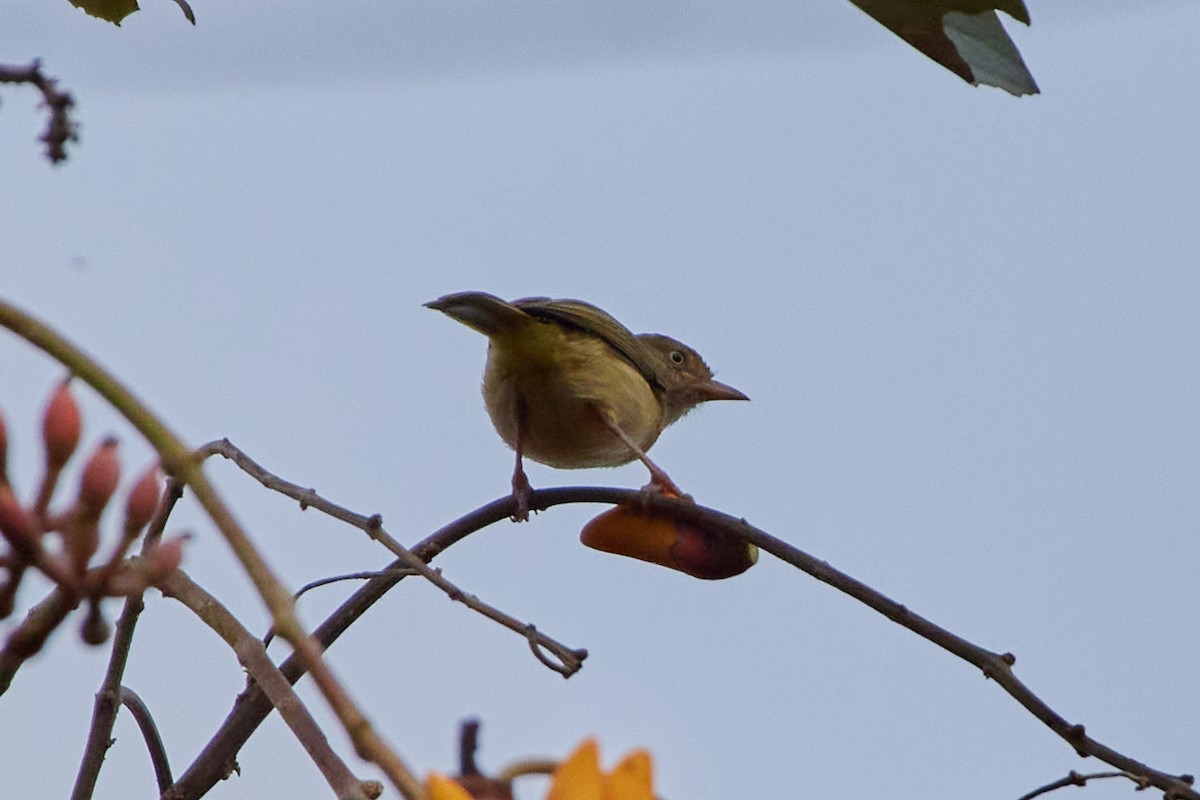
(521, 490)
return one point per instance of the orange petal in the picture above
(654, 536)
(578, 777)
(627, 531)
(631, 779)
(439, 787)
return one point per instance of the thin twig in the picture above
(1074, 778)
(566, 661)
(178, 460)
(154, 743)
(60, 129)
(253, 656)
(104, 708)
(350, 576)
(28, 638)
(372, 524)
(251, 708)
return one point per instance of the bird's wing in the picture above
(586, 317)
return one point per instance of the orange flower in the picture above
(439, 787)
(579, 777)
(655, 536)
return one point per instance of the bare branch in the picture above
(1073, 778)
(566, 661)
(28, 638)
(252, 709)
(60, 129)
(253, 656)
(104, 709)
(154, 743)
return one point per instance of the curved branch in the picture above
(154, 743)
(251, 707)
(1073, 778)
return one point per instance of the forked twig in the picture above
(253, 656)
(566, 661)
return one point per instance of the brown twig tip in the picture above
(1009, 659)
(468, 744)
(1077, 731)
(1190, 780)
(374, 522)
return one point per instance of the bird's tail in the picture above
(484, 312)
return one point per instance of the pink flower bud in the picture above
(142, 501)
(60, 427)
(99, 480)
(17, 524)
(81, 539)
(166, 556)
(3, 452)
(95, 629)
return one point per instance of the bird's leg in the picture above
(659, 480)
(521, 487)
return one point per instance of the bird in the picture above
(569, 386)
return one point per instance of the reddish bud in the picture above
(82, 540)
(3, 452)
(95, 629)
(60, 427)
(8, 591)
(99, 480)
(142, 502)
(17, 524)
(166, 556)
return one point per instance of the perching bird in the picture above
(569, 386)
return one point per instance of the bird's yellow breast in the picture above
(553, 383)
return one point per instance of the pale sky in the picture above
(968, 324)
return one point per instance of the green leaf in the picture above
(964, 36)
(993, 58)
(109, 10)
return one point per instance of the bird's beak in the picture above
(715, 390)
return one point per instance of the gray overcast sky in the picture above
(968, 324)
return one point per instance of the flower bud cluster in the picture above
(62, 544)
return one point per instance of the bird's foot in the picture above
(521, 490)
(660, 484)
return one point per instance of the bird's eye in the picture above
(676, 357)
